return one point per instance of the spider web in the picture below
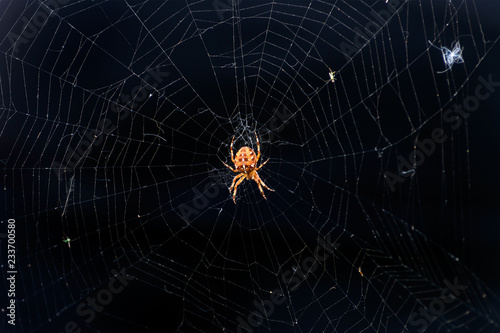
(116, 118)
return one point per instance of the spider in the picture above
(245, 163)
(452, 56)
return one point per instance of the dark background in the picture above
(201, 271)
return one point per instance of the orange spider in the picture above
(245, 164)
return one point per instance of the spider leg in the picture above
(233, 170)
(237, 184)
(234, 180)
(259, 182)
(262, 165)
(232, 155)
(258, 147)
(263, 184)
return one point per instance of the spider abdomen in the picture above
(245, 159)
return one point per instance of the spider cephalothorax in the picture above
(245, 164)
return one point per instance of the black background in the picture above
(325, 166)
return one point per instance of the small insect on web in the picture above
(451, 57)
(67, 240)
(332, 75)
